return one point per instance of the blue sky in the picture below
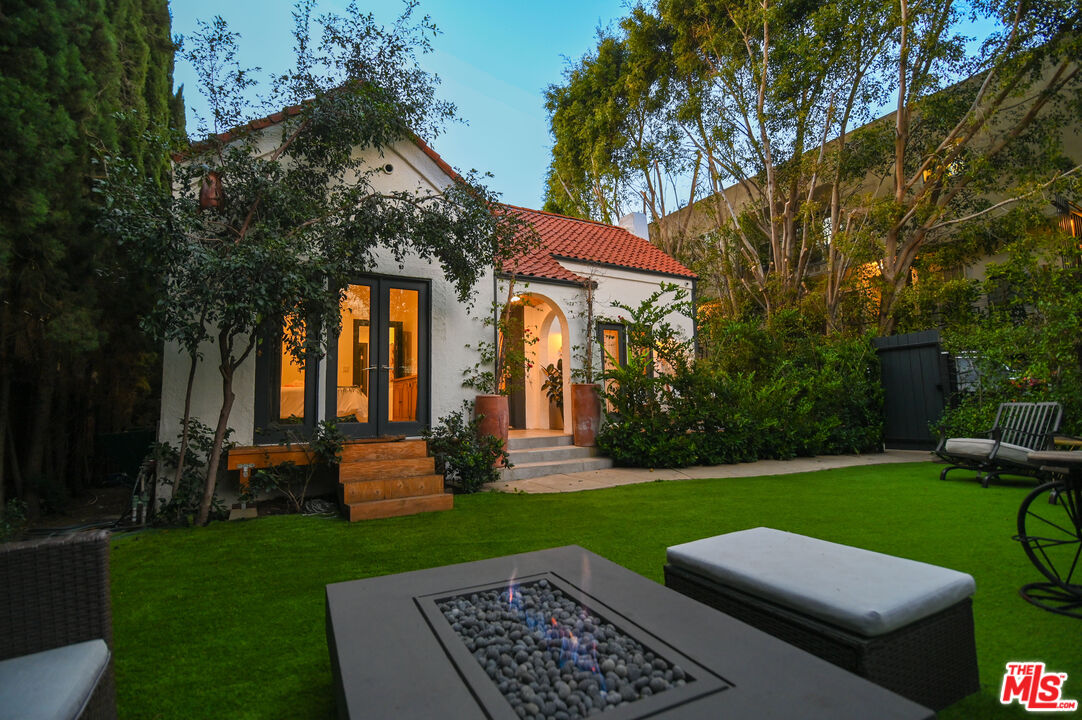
(494, 57)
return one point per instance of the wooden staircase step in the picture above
(364, 452)
(382, 469)
(390, 488)
(399, 506)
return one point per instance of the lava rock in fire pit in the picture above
(551, 657)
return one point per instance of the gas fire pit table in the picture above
(565, 633)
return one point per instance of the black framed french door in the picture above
(378, 375)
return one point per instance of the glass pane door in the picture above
(404, 322)
(380, 378)
(355, 369)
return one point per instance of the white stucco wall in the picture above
(451, 327)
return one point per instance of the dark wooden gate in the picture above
(916, 384)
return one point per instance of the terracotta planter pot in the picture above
(496, 417)
(556, 417)
(585, 414)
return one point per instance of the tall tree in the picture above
(980, 146)
(764, 108)
(66, 71)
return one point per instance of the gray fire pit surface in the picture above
(565, 633)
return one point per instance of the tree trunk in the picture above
(226, 368)
(5, 399)
(40, 430)
(5, 405)
(185, 433)
(56, 451)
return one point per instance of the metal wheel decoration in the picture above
(1050, 530)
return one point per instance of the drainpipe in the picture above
(695, 317)
(495, 312)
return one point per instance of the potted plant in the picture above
(495, 384)
(554, 390)
(585, 395)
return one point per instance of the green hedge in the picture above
(776, 391)
(1025, 343)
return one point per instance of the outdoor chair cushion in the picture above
(53, 684)
(978, 448)
(865, 592)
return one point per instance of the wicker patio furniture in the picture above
(54, 597)
(904, 625)
(1019, 429)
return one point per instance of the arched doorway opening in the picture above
(534, 403)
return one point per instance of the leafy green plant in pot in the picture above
(508, 361)
(554, 390)
(467, 457)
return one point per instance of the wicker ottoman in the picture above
(904, 625)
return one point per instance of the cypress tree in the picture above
(79, 79)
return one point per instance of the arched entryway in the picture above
(529, 403)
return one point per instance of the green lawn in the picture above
(228, 621)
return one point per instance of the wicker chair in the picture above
(53, 593)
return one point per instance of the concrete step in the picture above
(551, 454)
(383, 469)
(390, 488)
(540, 469)
(525, 443)
(399, 506)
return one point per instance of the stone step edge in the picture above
(525, 443)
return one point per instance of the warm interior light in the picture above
(515, 298)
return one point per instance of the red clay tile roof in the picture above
(571, 238)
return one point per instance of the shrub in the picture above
(188, 490)
(1025, 342)
(775, 390)
(466, 459)
(323, 453)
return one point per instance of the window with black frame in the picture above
(285, 397)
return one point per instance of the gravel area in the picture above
(553, 658)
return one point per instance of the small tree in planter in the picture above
(554, 391)
(585, 397)
(499, 367)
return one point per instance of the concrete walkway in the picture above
(597, 479)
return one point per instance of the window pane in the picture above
(612, 347)
(354, 355)
(402, 353)
(291, 389)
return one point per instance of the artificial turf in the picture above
(227, 621)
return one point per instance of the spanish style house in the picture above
(397, 363)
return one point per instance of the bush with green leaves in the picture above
(1025, 343)
(12, 519)
(187, 490)
(466, 458)
(770, 390)
(323, 452)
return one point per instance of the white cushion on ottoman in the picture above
(978, 449)
(866, 592)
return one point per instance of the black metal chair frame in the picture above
(1025, 424)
